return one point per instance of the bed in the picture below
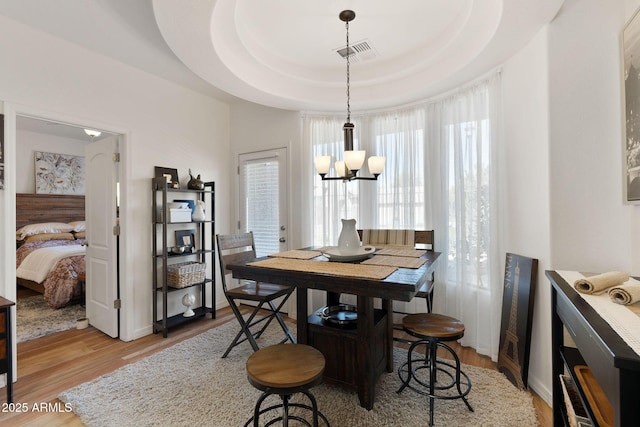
(43, 241)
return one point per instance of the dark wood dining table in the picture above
(355, 356)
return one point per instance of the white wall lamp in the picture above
(353, 159)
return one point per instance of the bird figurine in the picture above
(195, 183)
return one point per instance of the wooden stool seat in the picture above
(285, 369)
(429, 325)
(285, 366)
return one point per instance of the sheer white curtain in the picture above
(462, 140)
(440, 173)
(397, 199)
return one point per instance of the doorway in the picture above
(263, 199)
(37, 135)
(263, 202)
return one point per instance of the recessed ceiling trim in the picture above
(283, 54)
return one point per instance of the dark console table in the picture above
(6, 355)
(615, 366)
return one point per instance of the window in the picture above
(439, 174)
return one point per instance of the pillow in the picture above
(48, 236)
(78, 226)
(44, 227)
(80, 234)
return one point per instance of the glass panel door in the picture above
(263, 199)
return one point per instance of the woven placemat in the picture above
(404, 252)
(395, 261)
(297, 254)
(336, 268)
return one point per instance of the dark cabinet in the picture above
(190, 272)
(6, 354)
(613, 364)
(339, 345)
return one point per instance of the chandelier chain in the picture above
(348, 77)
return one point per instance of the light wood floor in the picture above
(50, 365)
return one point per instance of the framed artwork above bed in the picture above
(59, 173)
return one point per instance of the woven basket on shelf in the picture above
(185, 274)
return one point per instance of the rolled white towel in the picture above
(600, 283)
(627, 293)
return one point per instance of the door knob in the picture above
(282, 240)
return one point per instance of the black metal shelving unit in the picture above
(204, 253)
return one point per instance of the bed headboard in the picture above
(35, 208)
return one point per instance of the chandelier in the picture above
(348, 168)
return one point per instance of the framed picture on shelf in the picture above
(186, 238)
(171, 175)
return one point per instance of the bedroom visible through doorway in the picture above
(41, 135)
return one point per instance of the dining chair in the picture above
(237, 248)
(423, 238)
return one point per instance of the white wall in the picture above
(165, 125)
(257, 128)
(524, 220)
(30, 142)
(590, 223)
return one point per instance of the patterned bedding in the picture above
(62, 285)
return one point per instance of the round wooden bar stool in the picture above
(432, 330)
(285, 369)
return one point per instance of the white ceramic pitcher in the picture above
(349, 241)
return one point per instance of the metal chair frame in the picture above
(238, 248)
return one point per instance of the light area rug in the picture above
(189, 384)
(36, 319)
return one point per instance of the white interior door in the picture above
(101, 214)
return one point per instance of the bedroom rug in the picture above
(36, 319)
(188, 384)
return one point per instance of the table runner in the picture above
(297, 254)
(395, 261)
(624, 319)
(402, 252)
(336, 268)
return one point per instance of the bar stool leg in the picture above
(256, 409)
(285, 410)
(433, 349)
(409, 364)
(314, 408)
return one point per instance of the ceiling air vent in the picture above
(360, 51)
